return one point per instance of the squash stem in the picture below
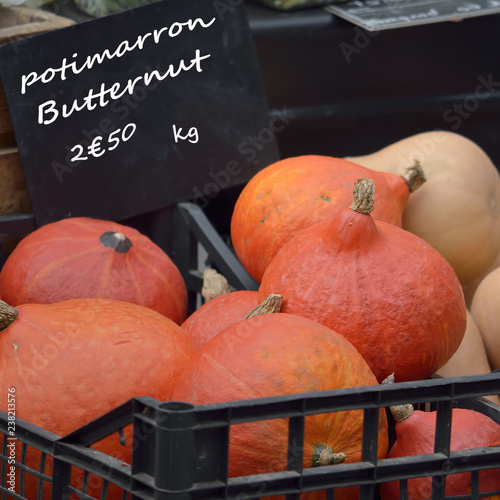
(401, 412)
(363, 196)
(324, 455)
(8, 315)
(271, 304)
(414, 176)
(117, 241)
(214, 285)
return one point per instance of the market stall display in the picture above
(233, 395)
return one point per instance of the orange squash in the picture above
(278, 354)
(82, 257)
(73, 361)
(416, 432)
(391, 294)
(218, 314)
(294, 193)
(222, 308)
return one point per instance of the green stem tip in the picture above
(324, 455)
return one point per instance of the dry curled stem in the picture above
(8, 315)
(324, 455)
(271, 304)
(214, 285)
(414, 176)
(401, 412)
(363, 196)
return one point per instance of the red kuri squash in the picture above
(278, 354)
(73, 361)
(84, 257)
(219, 313)
(386, 290)
(416, 432)
(294, 193)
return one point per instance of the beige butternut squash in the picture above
(485, 309)
(470, 289)
(470, 357)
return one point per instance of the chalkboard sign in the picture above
(125, 114)
(375, 15)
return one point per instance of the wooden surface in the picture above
(17, 23)
(21, 22)
(6, 132)
(14, 197)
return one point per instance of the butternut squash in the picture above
(485, 309)
(470, 358)
(457, 209)
(470, 289)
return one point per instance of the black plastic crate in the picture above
(180, 451)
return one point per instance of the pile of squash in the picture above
(370, 269)
(454, 209)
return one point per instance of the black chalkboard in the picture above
(125, 114)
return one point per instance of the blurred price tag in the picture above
(375, 15)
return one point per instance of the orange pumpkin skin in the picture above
(75, 258)
(73, 361)
(294, 193)
(415, 436)
(218, 314)
(392, 295)
(272, 355)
